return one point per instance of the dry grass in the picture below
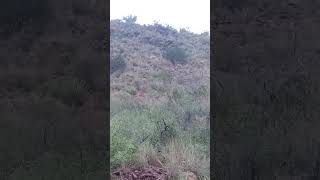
(145, 153)
(181, 160)
(181, 157)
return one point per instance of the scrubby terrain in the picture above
(159, 101)
(265, 89)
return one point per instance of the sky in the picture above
(193, 15)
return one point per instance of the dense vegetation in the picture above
(53, 74)
(265, 89)
(175, 55)
(118, 64)
(160, 101)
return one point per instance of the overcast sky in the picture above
(192, 14)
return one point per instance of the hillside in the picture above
(159, 104)
(143, 48)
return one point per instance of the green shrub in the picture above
(122, 148)
(131, 128)
(175, 55)
(145, 124)
(118, 64)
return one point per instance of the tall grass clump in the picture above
(146, 152)
(183, 156)
(187, 107)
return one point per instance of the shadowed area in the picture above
(53, 100)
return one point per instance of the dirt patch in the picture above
(146, 173)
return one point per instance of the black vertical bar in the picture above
(212, 114)
(107, 50)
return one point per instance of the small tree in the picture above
(176, 55)
(130, 19)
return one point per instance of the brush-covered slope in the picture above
(159, 99)
(143, 49)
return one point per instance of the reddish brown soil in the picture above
(146, 173)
